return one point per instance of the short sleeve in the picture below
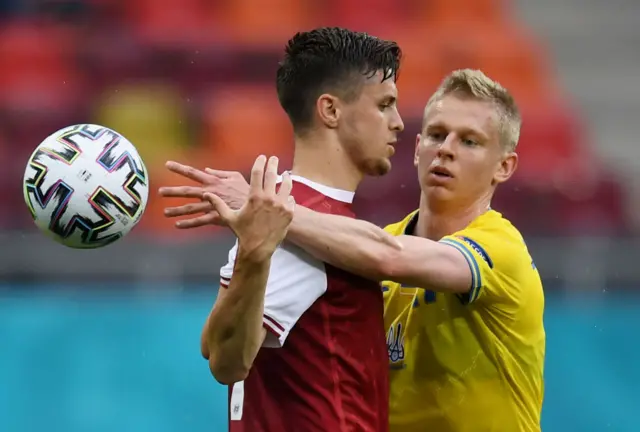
(495, 261)
(296, 281)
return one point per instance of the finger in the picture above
(188, 209)
(219, 205)
(208, 219)
(291, 203)
(187, 171)
(257, 174)
(286, 185)
(271, 175)
(181, 191)
(218, 173)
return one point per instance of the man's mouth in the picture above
(441, 172)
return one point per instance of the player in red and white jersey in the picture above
(300, 343)
(330, 369)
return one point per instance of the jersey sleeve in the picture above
(296, 280)
(495, 262)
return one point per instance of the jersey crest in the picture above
(395, 346)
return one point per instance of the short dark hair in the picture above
(330, 59)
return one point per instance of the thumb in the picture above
(219, 205)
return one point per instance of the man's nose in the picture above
(397, 124)
(447, 147)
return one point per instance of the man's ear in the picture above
(329, 110)
(507, 168)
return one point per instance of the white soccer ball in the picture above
(86, 186)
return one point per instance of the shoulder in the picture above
(287, 260)
(500, 263)
(399, 228)
(496, 241)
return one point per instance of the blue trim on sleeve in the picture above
(479, 249)
(476, 276)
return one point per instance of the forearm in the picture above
(353, 245)
(367, 250)
(234, 329)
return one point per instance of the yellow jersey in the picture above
(470, 362)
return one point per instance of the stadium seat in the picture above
(263, 25)
(179, 24)
(508, 56)
(7, 187)
(516, 60)
(154, 222)
(378, 17)
(505, 54)
(552, 150)
(242, 122)
(37, 68)
(422, 70)
(460, 12)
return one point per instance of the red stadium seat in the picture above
(37, 68)
(460, 12)
(553, 153)
(170, 23)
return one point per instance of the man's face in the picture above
(369, 126)
(459, 156)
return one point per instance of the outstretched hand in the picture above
(230, 186)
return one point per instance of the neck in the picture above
(435, 222)
(324, 161)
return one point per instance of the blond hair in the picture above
(475, 84)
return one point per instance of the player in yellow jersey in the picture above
(465, 332)
(472, 361)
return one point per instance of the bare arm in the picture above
(367, 250)
(234, 333)
(357, 246)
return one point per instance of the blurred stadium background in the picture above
(107, 340)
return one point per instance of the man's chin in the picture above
(436, 193)
(381, 168)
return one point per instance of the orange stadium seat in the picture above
(510, 57)
(378, 17)
(518, 62)
(263, 24)
(241, 122)
(154, 221)
(37, 69)
(422, 70)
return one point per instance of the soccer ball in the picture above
(86, 186)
